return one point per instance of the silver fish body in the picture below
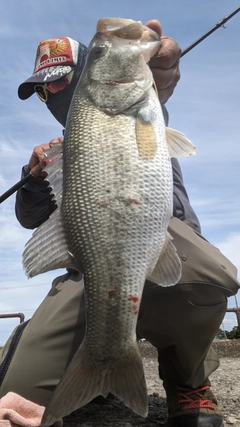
(113, 214)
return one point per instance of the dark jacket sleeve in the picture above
(182, 208)
(34, 203)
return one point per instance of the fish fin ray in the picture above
(178, 144)
(128, 384)
(47, 249)
(82, 382)
(168, 270)
(54, 170)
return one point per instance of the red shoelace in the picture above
(188, 402)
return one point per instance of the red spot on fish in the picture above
(112, 292)
(135, 303)
(131, 202)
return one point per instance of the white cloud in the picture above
(229, 323)
(231, 248)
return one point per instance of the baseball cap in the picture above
(54, 59)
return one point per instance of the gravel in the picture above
(112, 413)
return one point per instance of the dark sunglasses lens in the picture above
(41, 93)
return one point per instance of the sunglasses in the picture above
(53, 87)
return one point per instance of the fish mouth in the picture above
(117, 26)
(123, 81)
(126, 29)
(133, 32)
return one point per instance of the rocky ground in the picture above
(112, 413)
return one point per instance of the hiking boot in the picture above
(188, 407)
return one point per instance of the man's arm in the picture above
(34, 202)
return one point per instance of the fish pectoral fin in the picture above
(168, 270)
(145, 136)
(47, 249)
(84, 380)
(178, 144)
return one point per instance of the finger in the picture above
(165, 78)
(168, 55)
(155, 26)
(55, 140)
(166, 81)
(165, 94)
(38, 152)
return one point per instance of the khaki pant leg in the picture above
(48, 342)
(182, 320)
(201, 261)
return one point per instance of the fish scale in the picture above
(108, 186)
(114, 208)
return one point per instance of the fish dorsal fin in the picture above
(168, 269)
(47, 249)
(178, 144)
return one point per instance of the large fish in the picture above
(113, 212)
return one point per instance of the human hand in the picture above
(165, 64)
(38, 157)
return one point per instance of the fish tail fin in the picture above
(127, 381)
(84, 381)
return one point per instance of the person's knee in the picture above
(183, 309)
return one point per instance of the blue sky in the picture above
(205, 106)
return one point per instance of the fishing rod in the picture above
(220, 24)
(37, 170)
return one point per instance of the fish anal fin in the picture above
(84, 380)
(178, 144)
(168, 270)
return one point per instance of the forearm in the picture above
(34, 203)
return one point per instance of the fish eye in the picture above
(98, 51)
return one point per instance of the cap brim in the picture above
(26, 89)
